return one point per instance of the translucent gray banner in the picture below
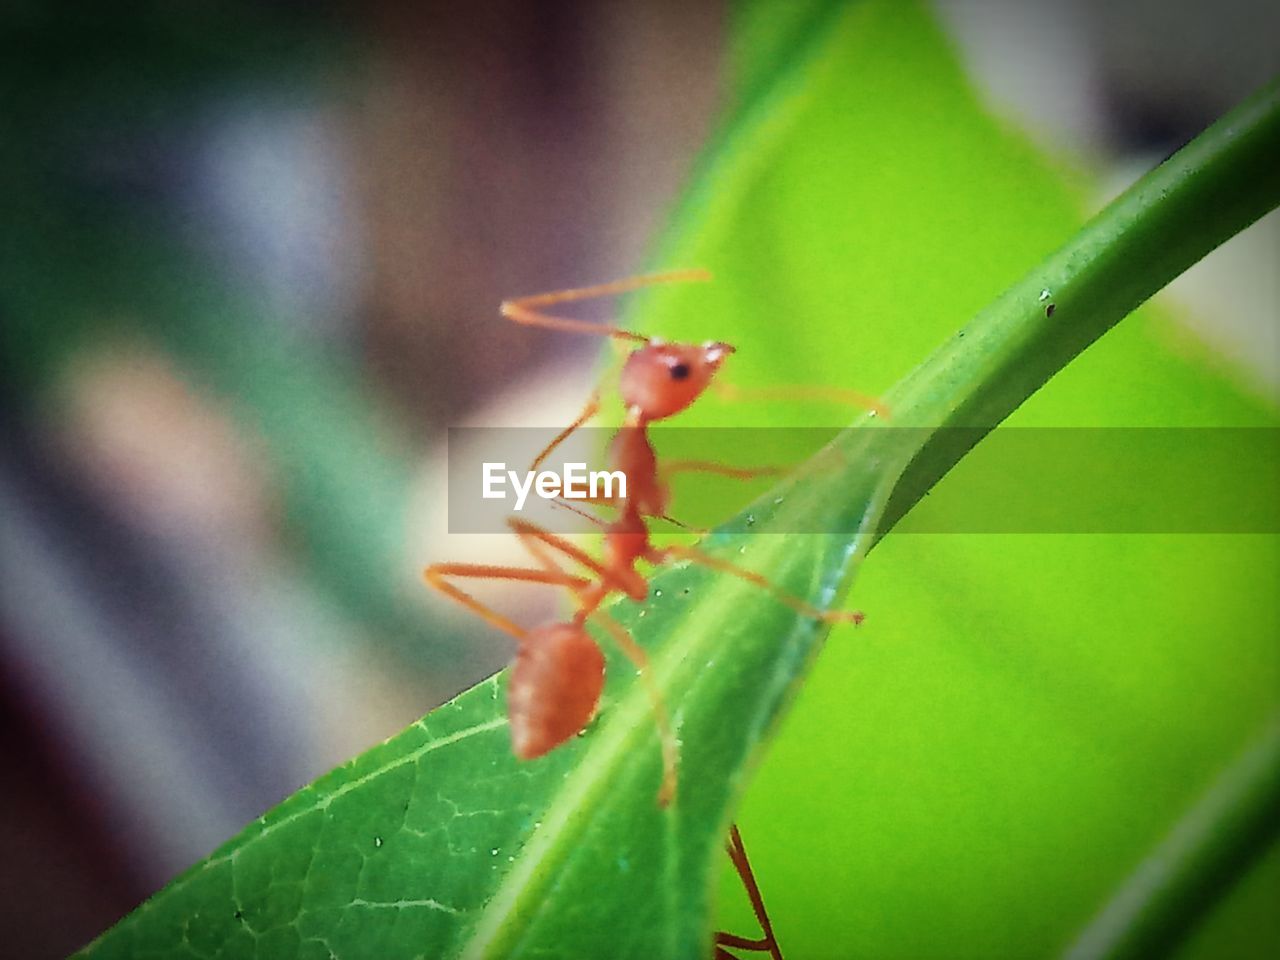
(1016, 480)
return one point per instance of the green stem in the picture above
(1208, 191)
(1213, 188)
(1214, 844)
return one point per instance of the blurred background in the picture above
(249, 268)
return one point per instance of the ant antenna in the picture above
(524, 309)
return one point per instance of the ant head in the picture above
(661, 379)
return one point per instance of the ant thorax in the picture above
(625, 542)
(632, 452)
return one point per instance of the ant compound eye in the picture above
(679, 371)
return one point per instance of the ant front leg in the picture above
(702, 558)
(606, 501)
(720, 469)
(837, 395)
(589, 411)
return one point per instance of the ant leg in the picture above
(589, 411)
(537, 541)
(710, 466)
(694, 555)
(437, 576)
(610, 502)
(738, 854)
(613, 502)
(635, 653)
(598, 521)
(560, 502)
(523, 309)
(533, 538)
(723, 469)
(723, 940)
(841, 395)
(702, 531)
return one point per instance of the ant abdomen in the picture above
(555, 687)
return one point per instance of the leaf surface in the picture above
(1023, 716)
(439, 843)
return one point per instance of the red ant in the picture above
(658, 380)
(558, 674)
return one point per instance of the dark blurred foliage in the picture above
(248, 273)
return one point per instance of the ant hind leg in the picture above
(670, 751)
(768, 943)
(438, 575)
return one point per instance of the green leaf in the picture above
(1024, 717)
(440, 843)
(953, 761)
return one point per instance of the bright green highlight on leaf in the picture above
(1022, 717)
(983, 762)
